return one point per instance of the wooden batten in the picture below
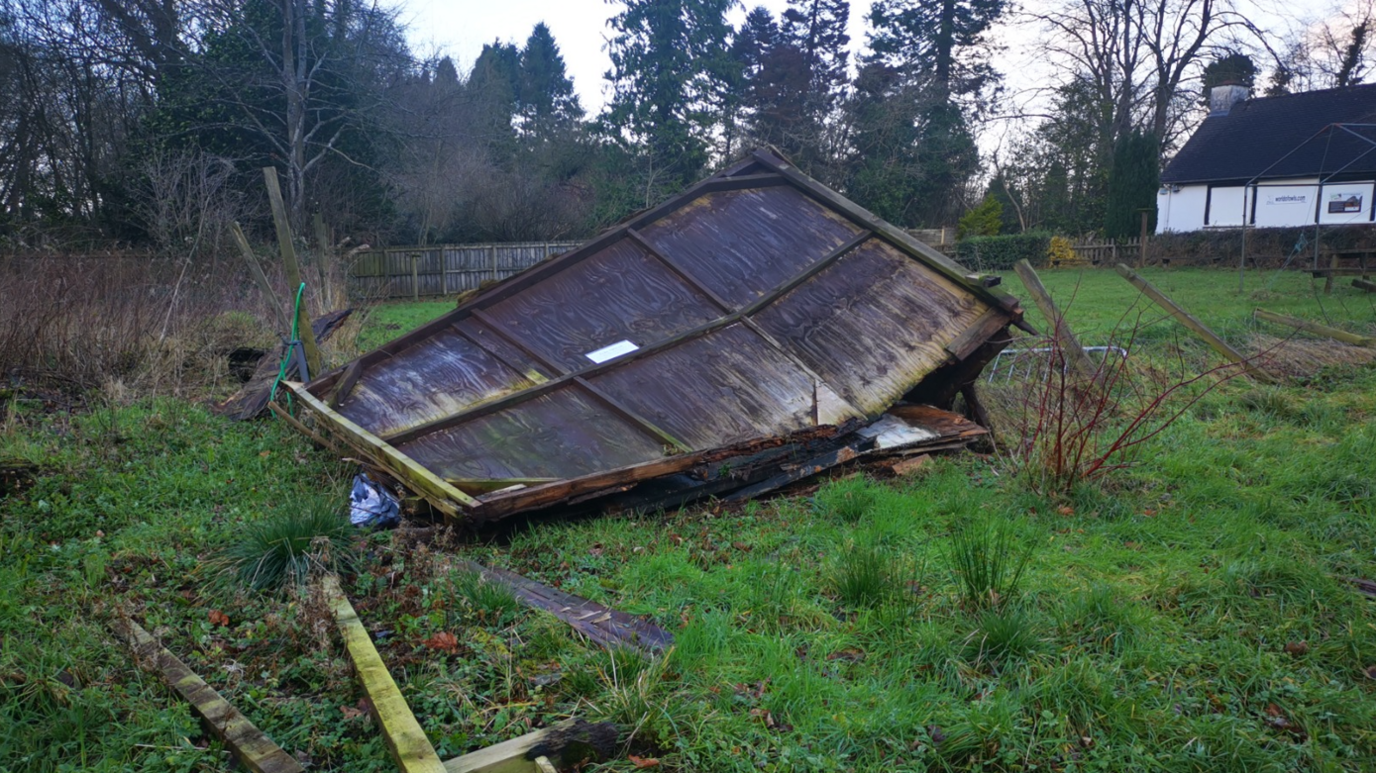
(254, 750)
(1315, 328)
(409, 746)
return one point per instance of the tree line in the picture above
(146, 122)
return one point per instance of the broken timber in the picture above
(752, 322)
(602, 625)
(246, 742)
(409, 746)
(1314, 327)
(1363, 284)
(1199, 328)
(1060, 329)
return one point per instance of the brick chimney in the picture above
(1222, 98)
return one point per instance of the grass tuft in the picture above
(1006, 634)
(283, 548)
(867, 575)
(490, 601)
(849, 500)
(988, 559)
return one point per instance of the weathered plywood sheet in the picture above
(620, 294)
(563, 434)
(742, 244)
(446, 373)
(722, 388)
(873, 324)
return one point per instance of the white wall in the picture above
(1291, 203)
(1182, 210)
(1345, 203)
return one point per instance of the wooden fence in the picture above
(443, 269)
(1107, 252)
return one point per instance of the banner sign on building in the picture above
(1287, 198)
(1344, 203)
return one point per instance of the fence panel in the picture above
(443, 269)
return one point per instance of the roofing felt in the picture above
(756, 305)
(1259, 133)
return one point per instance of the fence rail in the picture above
(1107, 252)
(443, 269)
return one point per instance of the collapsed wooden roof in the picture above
(756, 311)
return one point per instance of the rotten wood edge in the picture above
(410, 747)
(245, 741)
(1314, 327)
(441, 494)
(1060, 328)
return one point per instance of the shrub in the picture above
(283, 548)
(988, 559)
(1000, 253)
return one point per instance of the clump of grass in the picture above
(849, 499)
(867, 575)
(1098, 617)
(493, 602)
(1006, 634)
(988, 559)
(283, 548)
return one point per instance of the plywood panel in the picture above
(622, 293)
(563, 434)
(722, 388)
(873, 324)
(741, 244)
(442, 375)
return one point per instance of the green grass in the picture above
(1149, 632)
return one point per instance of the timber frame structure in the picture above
(747, 326)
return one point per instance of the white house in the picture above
(1291, 160)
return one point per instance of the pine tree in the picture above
(546, 97)
(1132, 185)
(943, 39)
(669, 63)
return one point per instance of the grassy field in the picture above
(1187, 613)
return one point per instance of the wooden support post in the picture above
(1060, 329)
(442, 495)
(246, 742)
(1362, 284)
(410, 747)
(284, 243)
(256, 271)
(415, 276)
(506, 757)
(1193, 324)
(1328, 280)
(1316, 328)
(1142, 242)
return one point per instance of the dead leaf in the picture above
(350, 712)
(444, 641)
(741, 546)
(1065, 510)
(1296, 648)
(644, 762)
(265, 454)
(218, 618)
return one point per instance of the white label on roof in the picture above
(608, 352)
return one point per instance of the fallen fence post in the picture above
(1189, 321)
(254, 750)
(532, 752)
(246, 250)
(1060, 329)
(1362, 284)
(410, 747)
(1314, 327)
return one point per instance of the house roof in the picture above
(756, 305)
(1259, 133)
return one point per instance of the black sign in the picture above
(1344, 205)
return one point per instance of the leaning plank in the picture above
(605, 626)
(506, 757)
(410, 747)
(250, 747)
(293, 268)
(440, 493)
(1362, 284)
(569, 742)
(1193, 324)
(1060, 329)
(1314, 327)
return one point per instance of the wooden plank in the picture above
(256, 271)
(631, 416)
(302, 428)
(1060, 329)
(740, 182)
(346, 383)
(1362, 284)
(1190, 322)
(603, 625)
(293, 268)
(247, 743)
(409, 471)
(1314, 327)
(410, 747)
(524, 754)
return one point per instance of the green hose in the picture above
(291, 346)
